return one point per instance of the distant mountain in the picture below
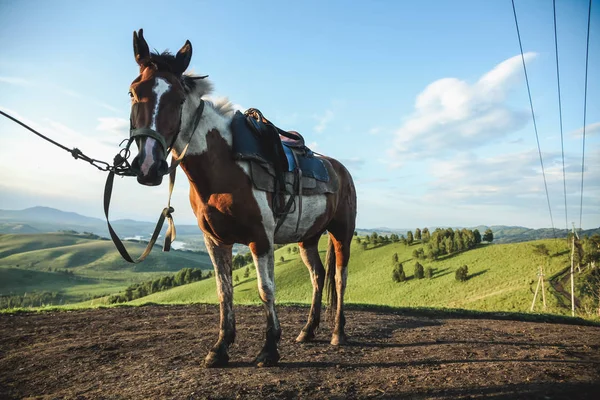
(46, 219)
(10, 227)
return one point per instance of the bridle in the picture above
(168, 210)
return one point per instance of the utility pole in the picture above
(540, 281)
(572, 272)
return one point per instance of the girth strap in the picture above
(297, 189)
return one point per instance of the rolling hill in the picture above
(81, 265)
(501, 278)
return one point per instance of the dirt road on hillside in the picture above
(156, 352)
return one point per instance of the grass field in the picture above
(501, 278)
(80, 266)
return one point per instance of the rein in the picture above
(122, 167)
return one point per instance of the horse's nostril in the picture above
(164, 168)
(135, 165)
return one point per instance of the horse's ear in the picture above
(183, 58)
(140, 47)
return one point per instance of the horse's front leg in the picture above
(265, 272)
(220, 255)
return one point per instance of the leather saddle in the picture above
(284, 153)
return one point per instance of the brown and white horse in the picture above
(228, 207)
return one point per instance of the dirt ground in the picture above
(156, 352)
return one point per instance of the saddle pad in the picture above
(246, 145)
(263, 178)
(309, 164)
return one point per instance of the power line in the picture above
(533, 117)
(587, 52)
(562, 146)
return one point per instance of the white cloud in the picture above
(323, 121)
(451, 114)
(590, 129)
(375, 130)
(515, 181)
(13, 80)
(113, 125)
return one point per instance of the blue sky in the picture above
(425, 102)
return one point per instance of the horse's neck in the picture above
(197, 141)
(211, 120)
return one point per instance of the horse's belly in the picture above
(313, 220)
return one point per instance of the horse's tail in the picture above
(330, 278)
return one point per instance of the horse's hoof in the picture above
(304, 337)
(266, 359)
(214, 360)
(339, 340)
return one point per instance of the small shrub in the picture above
(428, 272)
(247, 271)
(419, 273)
(398, 273)
(281, 259)
(462, 273)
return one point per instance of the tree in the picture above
(358, 239)
(418, 234)
(409, 237)
(591, 250)
(428, 272)
(364, 245)
(239, 261)
(237, 278)
(398, 274)
(374, 237)
(395, 258)
(477, 236)
(488, 236)
(289, 249)
(281, 259)
(419, 272)
(462, 273)
(247, 272)
(426, 236)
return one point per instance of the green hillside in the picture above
(501, 278)
(81, 266)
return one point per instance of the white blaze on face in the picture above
(160, 88)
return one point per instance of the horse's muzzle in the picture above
(149, 165)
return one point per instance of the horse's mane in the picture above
(195, 85)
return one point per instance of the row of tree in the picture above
(142, 289)
(31, 299)
(449, 241)
(425, 236)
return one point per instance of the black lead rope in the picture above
(122, 167)
(119, 167)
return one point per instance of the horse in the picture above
(170, 115)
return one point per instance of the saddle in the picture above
(280, 162)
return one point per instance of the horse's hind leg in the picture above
(221, 258)
(309, 251)
(340, 241)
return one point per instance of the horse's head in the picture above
(157, 97)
